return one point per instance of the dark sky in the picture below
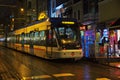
(5, 10)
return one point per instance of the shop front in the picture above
(114, 37)
(102, 42)
(108, 40)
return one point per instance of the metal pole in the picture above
(108, 53)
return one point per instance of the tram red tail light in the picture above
(72, 53)
(64, 48)
(79, 48)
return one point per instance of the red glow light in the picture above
(83, 27)
(72, 53)
(64, 48)
(112, 22)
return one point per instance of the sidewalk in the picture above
(112, 60)
(115, 64)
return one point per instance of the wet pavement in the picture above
(112, 62)
(115, 64)
(6, 73)
(18, 66)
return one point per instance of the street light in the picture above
(22, 10)
(12, 16)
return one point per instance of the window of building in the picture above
(29, 5)
(74, 14)
(78, 14)
(75, 1)
(85, 6)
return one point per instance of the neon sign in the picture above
(42, 15)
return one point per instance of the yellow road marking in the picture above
(103, 79)
(48, 76)
(118, 76)
(36, 77)
(63, 75)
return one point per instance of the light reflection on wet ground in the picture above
(34, 68)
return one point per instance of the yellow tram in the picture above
(51, 38)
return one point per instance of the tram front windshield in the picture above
(68, 36)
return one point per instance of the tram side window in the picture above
(22, 38)
(27, 39)
(8, 38)
(13, 39)
(36, 38)
(17, 38)
(42, 39)
(31, 37)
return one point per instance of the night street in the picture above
(59, 40)
(19, 66)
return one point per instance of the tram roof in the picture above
(62, 19)
(58, 21)
(52, 20)
(38, 25)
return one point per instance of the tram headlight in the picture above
(77, 46)
(63, 41)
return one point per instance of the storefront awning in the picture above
(101, 26)
(114, 24)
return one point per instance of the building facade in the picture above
(109, 16)
(34, 8)
(109, 10)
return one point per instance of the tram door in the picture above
(49, 43)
